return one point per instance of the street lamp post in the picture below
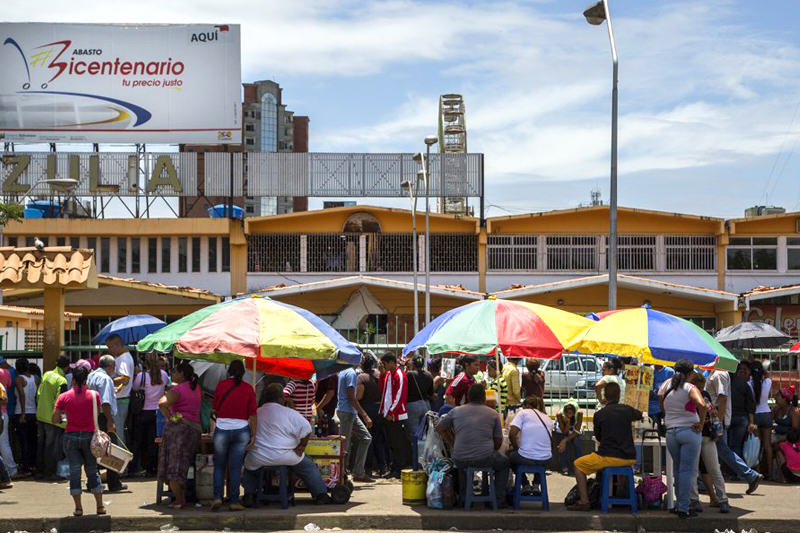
(412, 187)
(595, 15)
(430, 140)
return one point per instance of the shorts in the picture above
(763, 420)
(591, 463)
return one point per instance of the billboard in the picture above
(99, 83)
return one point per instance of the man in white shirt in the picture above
(281, 438)
(123, 381)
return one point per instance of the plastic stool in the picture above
(487, 489)
(606, 499)
(519, 475)
(285, 486)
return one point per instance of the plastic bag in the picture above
(433, 492)
(62, 469)
(433, 447)
(651, 488)
(752, 450)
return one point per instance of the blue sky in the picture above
(709, 92)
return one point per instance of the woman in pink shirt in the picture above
(181, 408)
(789, 457)
(145, 453)
(77, 404)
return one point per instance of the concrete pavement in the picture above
(40, 506)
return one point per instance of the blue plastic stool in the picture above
(285, 486)
(606, 499)
(487, 489)
(519, 475)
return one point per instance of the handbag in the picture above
(752, 449)
(101, 442)
(137, 398)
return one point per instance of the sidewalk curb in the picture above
(274, 520)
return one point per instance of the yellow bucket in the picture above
(414, 485)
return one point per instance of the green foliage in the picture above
(10, 212)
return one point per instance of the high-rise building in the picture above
(267, 127)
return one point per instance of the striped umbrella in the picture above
(501, 327)
(653, 337)
(278, 338)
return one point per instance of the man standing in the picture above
(394, 409)
(456, 393)
(123, 381)
(661, 374)
(497, 382)
(533, 380)
(54, 382)
(473, 431)
(743, 408)
(280, 440)
(511, 375)
(718, 387)
(612, 429)
(351, 426)
(100, 380)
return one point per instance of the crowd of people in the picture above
(380, 408)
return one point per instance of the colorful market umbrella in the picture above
(278, 338)
(653, 337)
(501, 327)
(131, 328)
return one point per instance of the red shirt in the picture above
(78, 408)
(459, 387)
(239, 403)
(302, 393)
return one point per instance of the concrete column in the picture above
(238, 258)
(782, 259)
(661, 254)
(53, 326)
(482, 259)
(722, 243)
(362, 253)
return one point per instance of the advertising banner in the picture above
(98, 83)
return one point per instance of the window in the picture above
(572, 364)
(249, 141)
(61, 241)
(12, 241)
(212, 254)
(635, 252)
(793, 253)
(166, 254)
(269, 123)
(708, 323)
(589, 364)
(135, 254)
(29, 241)
(555, 365)
(752, 253)
(105, 253)
(226, 254)
(183, 243)
(454, 253)
(195, 254)
(122, 254)
(687, 252)
(566, 252)
(75, 242)
(512, 252)
(249, 127)
(152, 255)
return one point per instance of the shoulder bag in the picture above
(222, 401)
(101, 442)
(137, 398)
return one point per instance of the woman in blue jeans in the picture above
(81, 406)
(234, 427)
(684, 413)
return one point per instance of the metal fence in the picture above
(273, 253)
(571, 252)
(690, 252)
(512, 252)
(452, 252)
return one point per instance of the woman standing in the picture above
(152, 381)
(368, 393)
(233, 422)
(568, 433)
(181, 409)
(25, 414)
(761, 386)
(81, 405)
(611, 369)
(684, 412)
(420, 393)
(710, 472)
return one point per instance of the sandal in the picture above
(101, 510)
(77, 512)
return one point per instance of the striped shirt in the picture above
(500, 385)
(301, 392)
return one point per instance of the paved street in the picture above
(35, 506)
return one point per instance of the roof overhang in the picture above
(626, 281)
(767, 293)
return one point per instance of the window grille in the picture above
(690, 252)
(635, 252)
(453, 252)
(571, 252)
(390, 252)
(512, 252)
(333, 252)
(268, 253)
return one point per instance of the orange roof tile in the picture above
(57, 266)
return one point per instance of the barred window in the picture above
(752, 253)
(512, 252)
(571, 252)
(122, 254)
(166, 254)
(390, 252)
(333, 252)
(135, 254)
(268, 253)
(690, 252)
(183, 249)
(635, 252)
(212, 254)
(454, 252)
(195, 254)
(226, 254)
(152, 254)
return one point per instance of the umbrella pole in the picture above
(254, 374)
(499, 375)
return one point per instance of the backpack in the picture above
(594, 489)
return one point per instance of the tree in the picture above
(10, 212)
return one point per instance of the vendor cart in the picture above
(328, 454)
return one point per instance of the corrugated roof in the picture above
(57, 266)
(33, 311)
(192, 292)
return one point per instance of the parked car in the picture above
(562, 375)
